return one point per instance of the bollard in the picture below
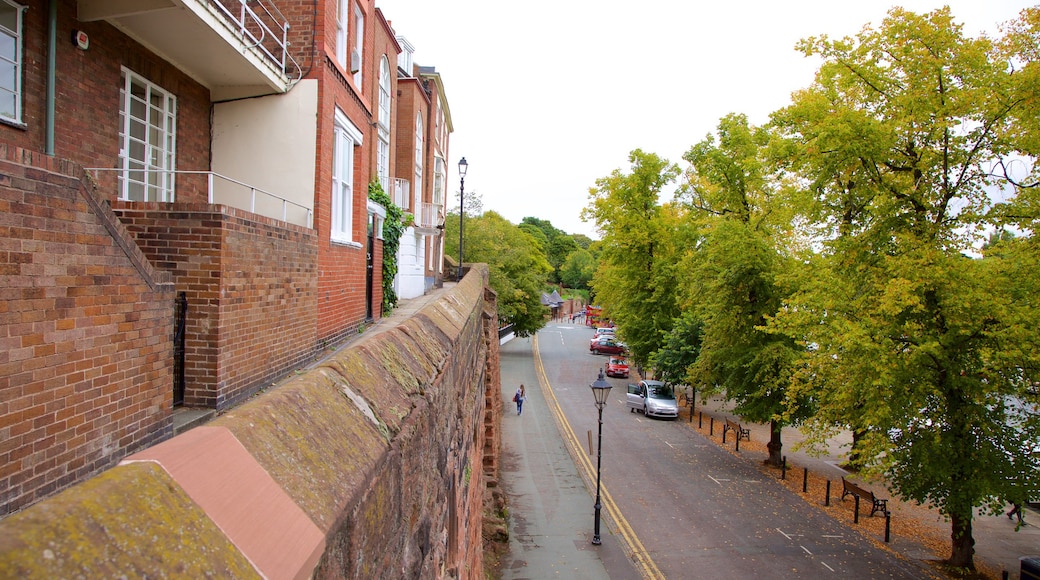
(855, 518)
(724, 429)
(738, 442)
(711, 426)
(888, 525)
(700, 419)
(783, 468)
(827, 498)
(805, 479)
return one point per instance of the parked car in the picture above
(653, 398)
(604, 331)
(607, 345)
(617, 367)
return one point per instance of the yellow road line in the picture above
(631, 543)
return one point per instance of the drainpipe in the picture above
(52, 48)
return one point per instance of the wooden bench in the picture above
(849, 488)
(686, 397)
(741, 432)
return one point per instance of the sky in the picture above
(546, 97)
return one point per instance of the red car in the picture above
(607, 345)
(617, 367)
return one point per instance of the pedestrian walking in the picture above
(519, 398)
(1016, 509)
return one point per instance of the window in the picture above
(359, 45)
(383, 161)
(346, 137)
(11, 61)
(341, 32)
(147, 140)
(438, 180)
(418, 157)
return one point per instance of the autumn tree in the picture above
(926, 352)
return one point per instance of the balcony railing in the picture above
(402, 194)
(430, 216)
(224, 190)
(263, 24)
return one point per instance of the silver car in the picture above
(653, 398)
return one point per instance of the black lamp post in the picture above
(600, 390)
(463, 166)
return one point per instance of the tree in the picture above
(682, 345)
(928, 355)
(733, 282)
(638, 251)
(518, 270)
(557, 243)
(577, 270)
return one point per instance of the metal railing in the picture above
(225, 190)
(265, 27)
(402, 194)
(430, 216)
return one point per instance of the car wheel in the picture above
(631, 409)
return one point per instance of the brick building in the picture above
(183, 186)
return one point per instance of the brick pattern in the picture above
(251, 287)
(85, 338)
(87, 104)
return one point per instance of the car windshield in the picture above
(663, 392)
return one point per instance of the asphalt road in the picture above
(678, 505)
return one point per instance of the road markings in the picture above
(639, 554)
(806, 550)
(826, 566)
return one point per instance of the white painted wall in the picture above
(268, 143)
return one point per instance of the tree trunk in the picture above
(962, 554)
(776, 459)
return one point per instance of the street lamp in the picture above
(463, 166)
(600, 390)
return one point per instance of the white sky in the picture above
(546, 97)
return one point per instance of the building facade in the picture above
(185, 212)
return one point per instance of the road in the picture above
(680, 505)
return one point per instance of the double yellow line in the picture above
(637, 553)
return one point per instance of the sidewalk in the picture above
(926, 536)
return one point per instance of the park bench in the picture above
(686, 397)
(742, 433)
(849, 488)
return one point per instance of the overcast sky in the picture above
(546, 97)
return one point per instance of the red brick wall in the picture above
(343, 267)
(251, 286)
(86, 128)
(85, 333)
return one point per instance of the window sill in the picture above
(346, 243)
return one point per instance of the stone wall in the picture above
(367, 466)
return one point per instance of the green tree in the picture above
(682, 345)
(634, 281)
(733, 285)
(925, 353)
(518, 270)
(577, 270)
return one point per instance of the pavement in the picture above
(550, 504)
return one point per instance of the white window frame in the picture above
(342, 26)
(359, 44)
(346, 138)
(12, 63)
(383, 153)
(417, 193)
(148, 161)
